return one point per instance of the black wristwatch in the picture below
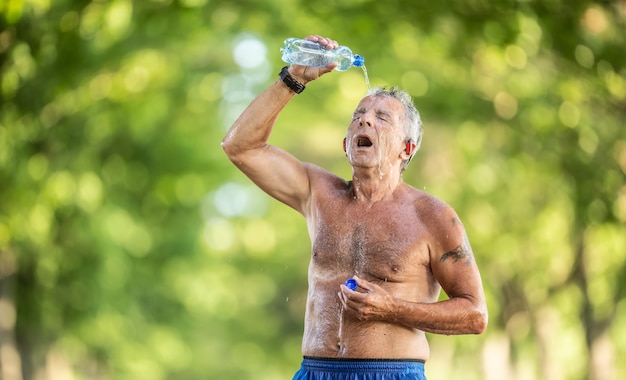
(290, 81)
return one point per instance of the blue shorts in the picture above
(360, 369)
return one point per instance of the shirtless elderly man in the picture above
(400, 244)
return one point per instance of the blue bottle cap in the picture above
(358, 60)
(351, 284)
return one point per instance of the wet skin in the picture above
(385, 245)
(402, 245)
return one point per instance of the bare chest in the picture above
(383, 242)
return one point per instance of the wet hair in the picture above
(413, 128)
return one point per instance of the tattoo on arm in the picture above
(457, 254)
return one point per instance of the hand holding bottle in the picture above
(326, 42)
(310, 60)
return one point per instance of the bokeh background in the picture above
(130, 248)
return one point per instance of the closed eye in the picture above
(357, 115)
(384, 116)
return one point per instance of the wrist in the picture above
(299, 78)
(294, 84)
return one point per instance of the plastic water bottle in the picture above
(351, 284)
(309, 53)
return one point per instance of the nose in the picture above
(365, 120)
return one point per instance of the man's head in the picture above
(380, 109)
(412, 122)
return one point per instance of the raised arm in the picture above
(275, 171)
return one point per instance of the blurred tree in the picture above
(131, 248)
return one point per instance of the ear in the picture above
(344, 144)
(410, 147)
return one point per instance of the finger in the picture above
(343, 292)
(348, 304)
(330, 67)
(354, 298)
(360, 282)
(315, 38)
(348, 293)
(355, 309)
(365, 284)
(327, 42)
(342, 298)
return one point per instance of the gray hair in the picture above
(413, 128)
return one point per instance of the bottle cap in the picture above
(351, 284)
(358, 60)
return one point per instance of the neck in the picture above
(372, 185)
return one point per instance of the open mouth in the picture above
(363, 141)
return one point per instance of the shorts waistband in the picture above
(341, 365)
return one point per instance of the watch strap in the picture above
(290, 81)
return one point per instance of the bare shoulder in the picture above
(433, 209)
(444, 228)
(323, 180)
(326, 189)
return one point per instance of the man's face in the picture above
(375, 137)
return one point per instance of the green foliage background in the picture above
(130, 248)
